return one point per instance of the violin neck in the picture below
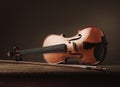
(48, 49)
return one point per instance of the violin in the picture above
(88, 46)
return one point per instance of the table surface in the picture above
(10, 66)
(36, 74)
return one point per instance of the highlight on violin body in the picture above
(88, 46)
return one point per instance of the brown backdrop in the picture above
(26, 24)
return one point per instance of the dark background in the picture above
(27, 23)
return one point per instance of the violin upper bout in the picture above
(54, 57)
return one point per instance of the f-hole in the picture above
(79, 36)
(75, 46)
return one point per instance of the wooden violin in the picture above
(88, 46)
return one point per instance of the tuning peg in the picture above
(14, 52)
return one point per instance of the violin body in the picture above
(76, 46)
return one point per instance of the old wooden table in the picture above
(36, 74)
